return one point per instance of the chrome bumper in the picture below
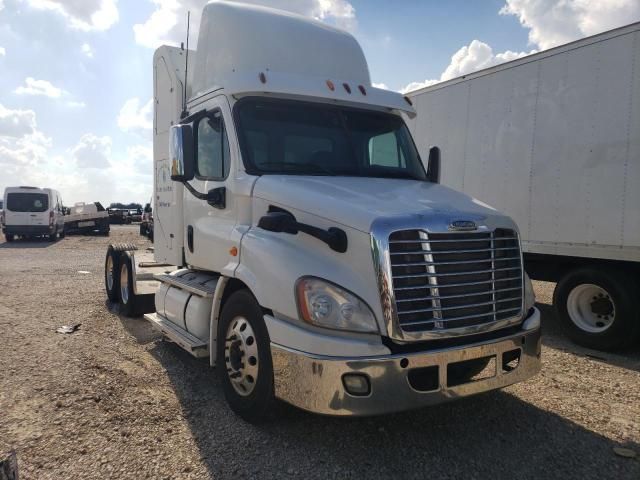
(314, 382)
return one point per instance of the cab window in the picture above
(212, 148)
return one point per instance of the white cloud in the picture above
(135, 117)
(87, 50)
(92, 151)
(75, 104)
(39, 87)
(167, 23)
(3, 51)
(476, 56)
(16, 123)
(470, 58)
(141, 157)
(85, 15)
(21, 143)
(555, 22)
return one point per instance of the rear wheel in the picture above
(127, 296)
(596, 308)
(244, 358)
(111, 274)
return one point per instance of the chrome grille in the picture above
(453, 280)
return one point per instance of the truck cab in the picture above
(316, 259)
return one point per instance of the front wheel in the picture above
(244, 358)
(596, 308)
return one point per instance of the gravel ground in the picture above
(115, 401)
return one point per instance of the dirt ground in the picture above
(114, 400)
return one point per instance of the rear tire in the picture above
(128, 299)
(111, 274)
(244, 358)
(596, 308)
(9, 237)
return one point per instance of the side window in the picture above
(384, 151)
(213, 156)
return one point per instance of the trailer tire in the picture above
(111, 273)
(595, 307)
(128, 304)
(244, 351)
(142, 231)
(9, 237)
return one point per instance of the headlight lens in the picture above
(529, 295)
(326, 305)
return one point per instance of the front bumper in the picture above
(27, 229)
(314, 382)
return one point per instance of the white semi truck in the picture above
(299, 243)
(553, 140)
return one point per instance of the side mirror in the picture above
(433, 169)
(181, 153)
(278, 222)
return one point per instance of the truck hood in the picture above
(357, 201)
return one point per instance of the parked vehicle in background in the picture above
(315, 259)
(553, 139)
(32, 212)
(119, 216)
(87, 218)
(135, 214)
(146, 226)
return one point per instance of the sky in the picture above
(76, 75)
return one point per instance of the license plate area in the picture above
(468, 371)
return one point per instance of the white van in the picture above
(32, 212)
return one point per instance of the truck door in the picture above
(209, 224)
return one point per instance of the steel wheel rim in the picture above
(591, 308)
(110, 272)
(124, 284)
(241, 356)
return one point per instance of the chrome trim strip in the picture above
(463, 284)
(455, 274)
(459, 307)
(445, 252)
(452, 233)
(459, 262)
(465, 317)
(447, 297)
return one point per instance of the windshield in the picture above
(27, 202)
(300, 138)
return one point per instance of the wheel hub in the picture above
(241, 356)
(110, 272)
(591, 308)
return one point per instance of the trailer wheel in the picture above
(142, 232)
(9, 237)
(111, 273)
(596, 308)
(244, 358)
(127, 296)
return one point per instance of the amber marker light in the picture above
(233, 251)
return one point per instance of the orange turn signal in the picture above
(233, 251)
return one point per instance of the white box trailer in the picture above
(553, 140)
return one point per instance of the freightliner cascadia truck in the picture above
(299, 242)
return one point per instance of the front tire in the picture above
(596, 308)
(111, 274)
(244, 358)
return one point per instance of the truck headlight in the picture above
(326, 305)
(529, 295)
